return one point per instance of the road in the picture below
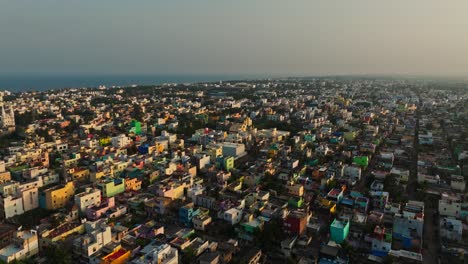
(430, 229)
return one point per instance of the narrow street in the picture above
(430, 229)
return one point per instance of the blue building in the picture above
(187, 213)
(408, 232)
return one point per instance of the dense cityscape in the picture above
(312, 170)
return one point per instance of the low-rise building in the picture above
(157, 254)
(89, 197)
(57, 197)
(25, 244)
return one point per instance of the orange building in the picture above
(119, 256)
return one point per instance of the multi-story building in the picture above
(112, 187)
(407, 231)
(295, 222)
(95, 212)
(339, 230)
(57, 197)
(17, 199)
(233, 149)
(7, 120)
(449, 205)
(121, 141)
(451, 229)
(25, 244)
(98, 234)
(88, 198)
(158, 254)
(187, 213)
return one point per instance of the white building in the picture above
(98, 234)
(30, 198)
(88, 198)
(457, 182)
(428, 178)
(17, 199)
(89, 143)
(158, 254)
(353, 172)
(449, 205)
(7, 119)
(203, 160)
(121, 141)
(233, 149)
(25, 244)
(11, 206)
(232, 216)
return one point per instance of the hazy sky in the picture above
(276, 37)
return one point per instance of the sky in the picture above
(254, 37)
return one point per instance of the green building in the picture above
(226, 163)
(112, 187)
(362, 161)
(339, 230)
(135, 127)
(296, 202)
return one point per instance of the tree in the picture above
(137, 112)
(189, 255)
(57, 255)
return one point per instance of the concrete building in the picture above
(120, 141)
(457, 183)
(232, 216)
(451, 229)
(408, 232)
(339, 230)
(7, 120)
(200, 222)
(98, 234)
(57, 197)
(11, 206)
(233, 149)
(88, 198)
(353, 172)
(449, 205)
(25, 244)
(112, 187)
(157, 254)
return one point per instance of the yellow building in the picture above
(95, 176)
(296, 189)
(105, 141)
(159, 147)
(174, 191)
(57, 197)
(214, 152)
(79, 174)
(132, 184)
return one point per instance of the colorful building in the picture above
(118, 256)
(362, 161)
(57, 197)
(112, 187)
(339, 230)
(225, 163)
(187, 213)
(295, 223)
(135, 127)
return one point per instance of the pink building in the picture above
(95, 212)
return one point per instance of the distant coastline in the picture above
(50, 82)
(26, 83)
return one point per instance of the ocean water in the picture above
(49, 82)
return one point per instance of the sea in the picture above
(27, 83)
